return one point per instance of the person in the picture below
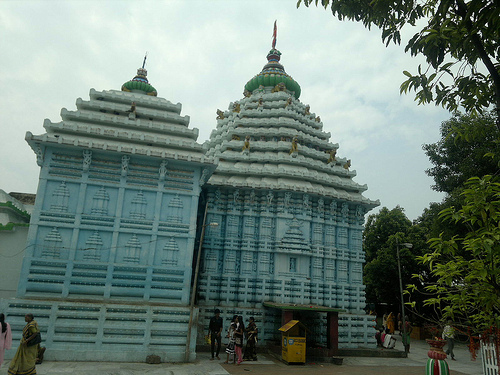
(406, 335)
(251, 349)
(238, 338)
(230, 336)
(384, 321)
(25, 357)
(379, 335)
(390, 323)
(400, 324)
(389, 341)
(5, 337)
(214, 330)
(449, 336)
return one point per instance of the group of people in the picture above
(385, 335)
(29, 352)
(236, 334)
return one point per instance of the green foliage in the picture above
(382, 233)
(456, 36)
(379, 227)
(467, 149)
(467, 267)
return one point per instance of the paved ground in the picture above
(413, 365)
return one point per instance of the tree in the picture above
(456, 36)
(467, 148)
(466, 267)
(379, 227)
(382, 231)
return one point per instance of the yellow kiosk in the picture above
(293, 342)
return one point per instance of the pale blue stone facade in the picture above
(290, 217)
(108, 266)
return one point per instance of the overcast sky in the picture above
(201, 54)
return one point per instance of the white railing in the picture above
(489, 358)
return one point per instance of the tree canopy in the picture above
(467, 148)
(466, 266)
(456, 35)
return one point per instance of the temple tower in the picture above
(108, 266)
(290, 215)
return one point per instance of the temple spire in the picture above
(144, 62)
(275, 33)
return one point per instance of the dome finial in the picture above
(275, 34)
(140, 83)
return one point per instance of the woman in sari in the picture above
(23, 362)
(250, 349)
(5, 337)
(238, 338)
(390, 323)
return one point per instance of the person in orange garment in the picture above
(390, 323)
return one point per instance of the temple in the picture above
(134, 221)
(290, 217)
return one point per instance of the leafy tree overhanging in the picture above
(458, 35)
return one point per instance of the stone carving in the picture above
(132, 250)
(332, 154)
(247, 93)
(236, 196)
(170, 252)
(288, 101)
(344, 212)
(52, 244)
(246, 145)
(307, 110)
(87, 159)
(39, 155)
(220, 115)
(60, 198)
(261, 102)
(132, 108)
(100, 202)
(288, 197)
(139, 207)
(261, 89)
(236, 107)
(305, 201)
(318, 119)
(235, 137)
(347, 165)
(125, 163)
(321, 204)
(360, 215)
(252, 197)
(204, 177)
(93, 247)
(295, 147)
(270, 197)
(163, 170)
(279, 87)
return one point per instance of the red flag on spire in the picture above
(275, 33)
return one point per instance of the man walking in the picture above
(214, 330)
(449, 335)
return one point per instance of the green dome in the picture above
(140, 84)
(272, 74)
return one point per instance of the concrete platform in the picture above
(413, 365)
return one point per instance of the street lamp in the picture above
(409, 246)
(195, 283)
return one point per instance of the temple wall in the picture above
(285, 247)
(111, 229)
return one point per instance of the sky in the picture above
(201, 54)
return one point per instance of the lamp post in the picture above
(409, 246)
(195, 283)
